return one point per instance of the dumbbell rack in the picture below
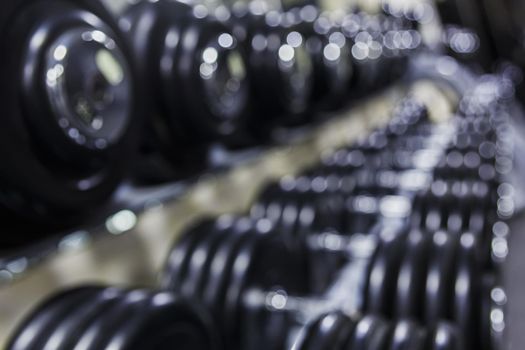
(130, 246)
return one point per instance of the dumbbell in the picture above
(330, 51)
(98, 318)
(280, 66)
(336, 331)
(216, 261)
(71, 107)
(197, 77)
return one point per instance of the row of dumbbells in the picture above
(89, 100)
(111, 318)
(329, 259)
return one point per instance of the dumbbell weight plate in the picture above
(34, 332)
(67, 332)
(163, 322)
(439, 284)
(102, 329)
(382, 280)
(467, 301)
(329, 332)
(215, 289)
(219, 75)
(180, 256)
(409, 302)
(435, 215)
(407, 335)
(445, 337)
(371, 333)
(199, 260)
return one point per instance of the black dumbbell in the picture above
(197, 78)
(111, 318)
(336, 331)
(280, 66)
(71, 107)
(330, 50)
(217, 262)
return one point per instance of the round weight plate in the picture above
(68, 332)
(371, 333)
(329, 332)
(200, 259)
(445, 337)
(434, 217)
(439, 284)
(34, 332)
(468, 276)
(108, 321)
(382, 280)
(217, 277)
(407, 336)
(180, 256)
(409, 302)
(163, 322)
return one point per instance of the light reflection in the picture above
(121, 222)
(332, 52)
(286, 53)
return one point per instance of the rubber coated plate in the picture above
(407, 336)
(329, 332)
(36, 329)
(199, 262)
(100, 332)
(289, 218)
(218, 274)
(434, 218)
(467, 286)
(382, 279)
(179, 258)
(238, 280)
(67, 333)
(445, 337)
(439, 282)
(411, 280)
(305, 221)
(164, 322)
(371, 333)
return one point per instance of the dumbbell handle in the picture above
(345, 294)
